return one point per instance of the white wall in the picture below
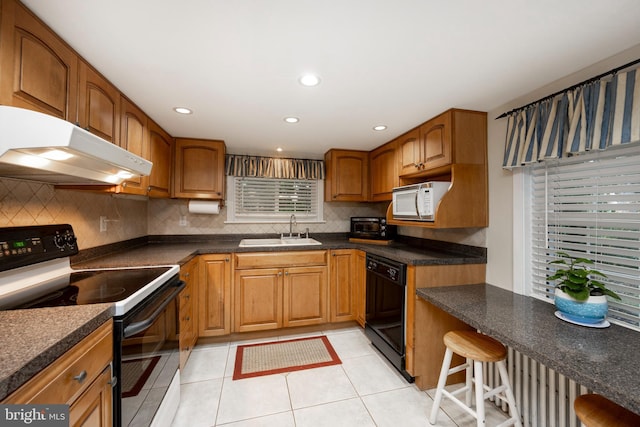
(500, 246)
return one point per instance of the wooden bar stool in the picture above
(594, 410)
(476, 348)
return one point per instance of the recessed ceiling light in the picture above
(182, 110)
(279, 149)
(309, 80)
(379, 127)
(291, 119)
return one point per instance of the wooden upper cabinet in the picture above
(347, 176)
(451, 147)
(199, 169)
(160, 147)
(98, 105)
(134, 137)
(408, 146)
(435, 142)
(383, 170)
(453, 137)
(38, 71)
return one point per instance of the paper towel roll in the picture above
(207, 207)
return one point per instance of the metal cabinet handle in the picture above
(186, 274)
(187, 318)
(286, 273)
(279, 273)
(226, 259)
(81, 377)
(113, 381)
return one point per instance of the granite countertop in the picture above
(179, 250)
(32, 339)
(606, 361)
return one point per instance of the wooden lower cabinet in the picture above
(342, 285)
(427, 324)
(304, 296)
(186, 313)
(81, 378)
(257, 299)
(275, 290)
(94, 407)
(360, 288)
(214, 295)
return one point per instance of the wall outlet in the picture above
(183, 221)
(103, 224)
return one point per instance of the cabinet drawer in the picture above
(56, 383)
(282, 259)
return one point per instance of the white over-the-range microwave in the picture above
(418, 202)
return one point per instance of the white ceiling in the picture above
(236, 62)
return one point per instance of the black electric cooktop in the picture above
(92, 287)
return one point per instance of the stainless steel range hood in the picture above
(39, 147)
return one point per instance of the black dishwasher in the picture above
(386, 309)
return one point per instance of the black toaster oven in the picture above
(374, 228)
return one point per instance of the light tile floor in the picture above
(362, 391)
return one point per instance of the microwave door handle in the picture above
(416, 202)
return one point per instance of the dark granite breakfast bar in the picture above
(606, 361)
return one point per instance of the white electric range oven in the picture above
(35, 271)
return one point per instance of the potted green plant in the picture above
(578, 296)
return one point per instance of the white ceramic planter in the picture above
(592, 310)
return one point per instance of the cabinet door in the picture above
(435, 142)
(342, 288)
(359, 278)
(98, 105)
(409, 152)
(134, 137)
(347, 176)
(258, 299)
(383, 170)
(160, 145)
(188, 337)
(94, 407)
(38, 70)
(199, 169)
(305, 296)
(214, 295)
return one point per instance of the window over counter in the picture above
(589, 206)
(252, 200)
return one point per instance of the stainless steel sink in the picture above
(283, 241)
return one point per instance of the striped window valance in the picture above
(595, 116)
(273, 167)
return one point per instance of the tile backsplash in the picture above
(164, 218)
(31, 203)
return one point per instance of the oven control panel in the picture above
(21, 246)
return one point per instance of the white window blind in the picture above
(272, 199)
(589, 206)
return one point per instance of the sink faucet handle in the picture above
(306, 233)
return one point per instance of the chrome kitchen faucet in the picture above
(292, 222)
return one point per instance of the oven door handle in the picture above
(137, 327)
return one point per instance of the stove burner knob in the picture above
(70, 239)
(59, 241)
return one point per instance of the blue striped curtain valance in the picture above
(273, 167)
(595, 116)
